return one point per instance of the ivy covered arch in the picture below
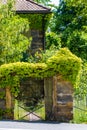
(63, 63)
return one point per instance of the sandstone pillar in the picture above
(9, 114)
(58, 99)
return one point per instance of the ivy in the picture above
(63, 63)
(5, 113)
(37, 21)
(2, 95)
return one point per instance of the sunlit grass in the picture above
(21, 114)
(80, 112)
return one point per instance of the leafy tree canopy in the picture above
(12, 41)
(70, 23)
(62, 63)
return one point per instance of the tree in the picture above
(81, 91)
(52, 39)
(70, 23)
(12, 40)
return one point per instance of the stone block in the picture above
(64, 87)
(64, 116)
(65, 98)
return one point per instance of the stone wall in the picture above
(31, 91)
(60, 99)
(63, 99)
(37, 43)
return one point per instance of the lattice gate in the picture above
(30, 101)
(30, 113)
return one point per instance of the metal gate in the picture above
(30, 113)
(30, 100)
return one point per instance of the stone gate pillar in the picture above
(58, 99)
(6, 104)
(48, 93)
(9, 104)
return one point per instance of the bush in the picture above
(63, 62)
(52, 39)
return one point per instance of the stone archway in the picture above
(58, 96)
(31, 99)
(58, 89)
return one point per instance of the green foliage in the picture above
(42, 56)
(63, 62)
(2, 95)
(80, 111)
(66, 64)
(12, 41)
(81, 92)
(4, 113)
(52, 39)
(69, 22)
(37, 21)
(52, 46)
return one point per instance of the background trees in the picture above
(68, 28)
(12, 41)
(70, 23)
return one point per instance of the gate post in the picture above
(6, 104)
(58, 99)
(48, 92)
(9, 105)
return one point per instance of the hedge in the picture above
(63, 63)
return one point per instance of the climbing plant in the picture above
(52, 39)
(37, 21)
(63, 62)
(13, 42)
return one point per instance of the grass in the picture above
(80, 111)
(41, 112)
(20, 112)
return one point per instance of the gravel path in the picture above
(15, 125)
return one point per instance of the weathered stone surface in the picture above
(64, 87)
(37, 41)
(64, 108)
(31, 91)
(65, 98)
(48, 90)
(6, 104)
(59, 99)
(64, 116)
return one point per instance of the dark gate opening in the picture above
(29, 104)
